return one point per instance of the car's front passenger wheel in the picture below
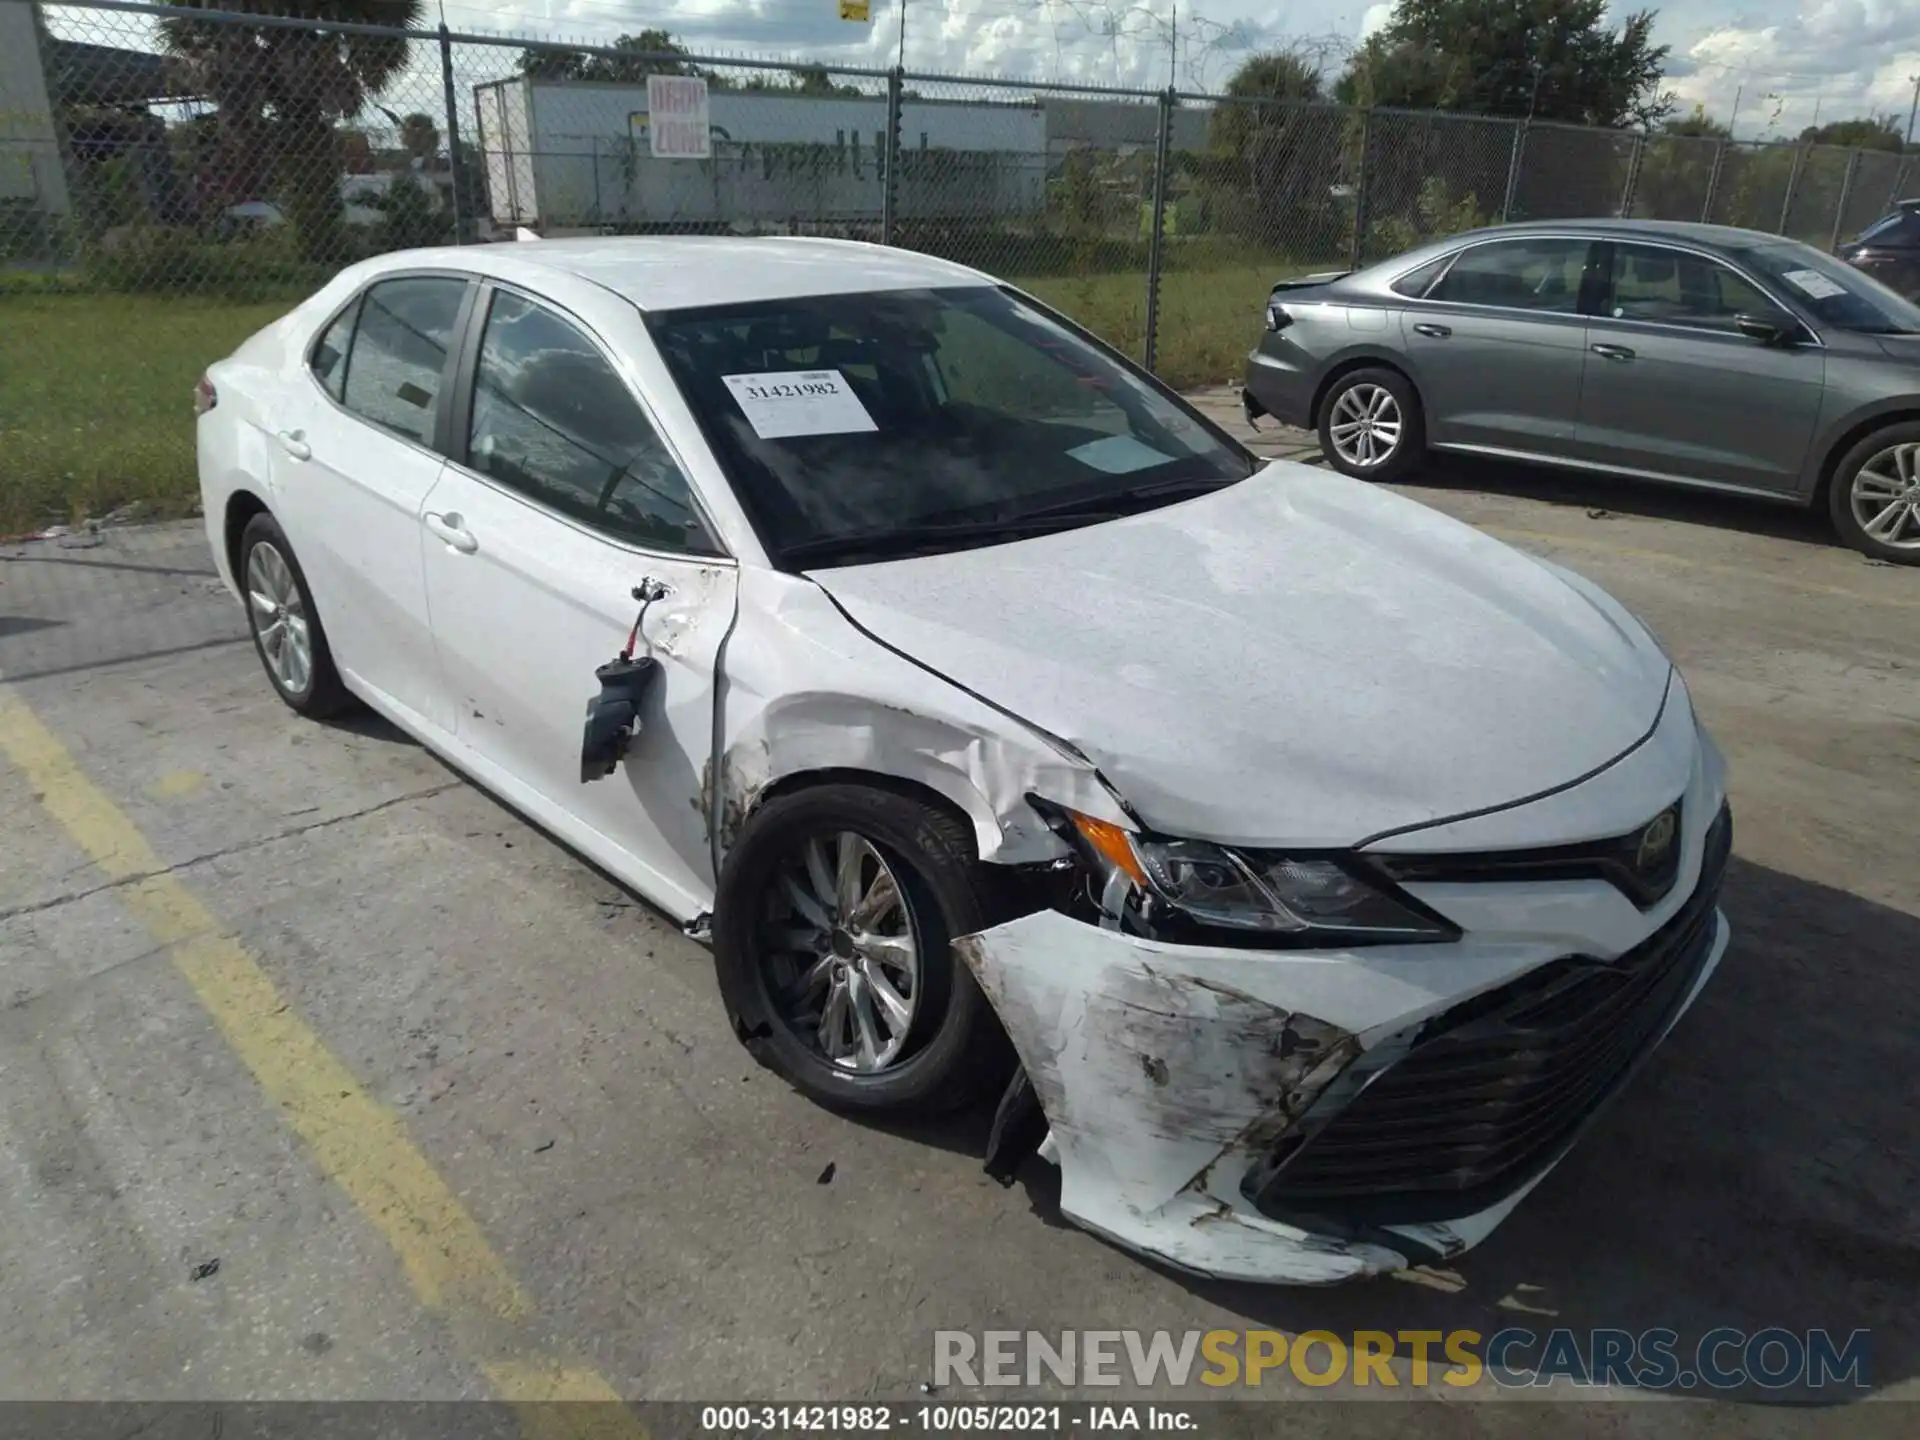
(1875, 495)
(286, 628)
(1370, 425)
(832, 937)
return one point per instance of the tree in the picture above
(626, 67)
(409, 217)
(1270, 149)
(1697, 124)
(356, 152)
(282, 93)
(419, 136)
(1873, 132)
(1550, 59)
(813, 80)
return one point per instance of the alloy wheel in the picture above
(842, 964)
(279, 618)
(1885, 497)
(1365, 425)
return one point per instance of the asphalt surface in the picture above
(458, 1117)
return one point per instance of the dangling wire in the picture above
(646, 592)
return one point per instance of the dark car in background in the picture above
(1889, 249)
(1696, 355)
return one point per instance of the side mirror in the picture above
(1767, 329)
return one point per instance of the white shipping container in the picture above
(563, 154)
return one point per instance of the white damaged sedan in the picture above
(1300, 868)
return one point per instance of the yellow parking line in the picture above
(1743, 572)
(359, 1144)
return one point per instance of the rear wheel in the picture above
(1370, 425)
(287, 634)
(1875, 495)
(833, 933)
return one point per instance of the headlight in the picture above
(1280, 897)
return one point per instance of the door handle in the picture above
(294, 442)
(1433, 332)
(450, 529)
(1613, 352)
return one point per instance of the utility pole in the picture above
(1738, 91)
(1173, 47)
(901, 62)
(1913, 107)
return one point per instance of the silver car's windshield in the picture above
(1836, 293)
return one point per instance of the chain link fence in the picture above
(172, 177)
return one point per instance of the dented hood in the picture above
(1299, 659)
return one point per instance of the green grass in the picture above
(96, 389)
(1209, 318)
(96, 399)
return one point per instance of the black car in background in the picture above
(1889, 249)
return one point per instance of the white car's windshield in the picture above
(856, 427)
(1833, 290)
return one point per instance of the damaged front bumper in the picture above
(1316, 1116)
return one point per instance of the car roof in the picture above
(1642, 229)
(676, 272)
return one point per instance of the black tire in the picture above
(954, 1051)
(1840, 497)
(323, 694)
(1410, 446)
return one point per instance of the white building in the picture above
(565, 154)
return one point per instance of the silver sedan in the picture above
(1692, 354)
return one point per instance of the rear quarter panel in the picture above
(1327, 334)
(234, 441)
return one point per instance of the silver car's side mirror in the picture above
(1768, 330)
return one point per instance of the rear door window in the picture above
(1416, 283)
(1537, 273)
(399, 352)
(329, 359)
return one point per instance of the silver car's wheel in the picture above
(1365, 425)
(279, 619)
(841, 942)
(1885, 497)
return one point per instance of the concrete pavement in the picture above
(613, 1198)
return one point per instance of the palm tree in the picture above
(1264, 139)
(281, 93)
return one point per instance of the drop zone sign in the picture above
(677, 126)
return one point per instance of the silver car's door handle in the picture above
(1613, 352)
(294, 442)
(450, 529)
(1436, 332)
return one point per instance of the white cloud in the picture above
(1786, 59)
(1787, 63)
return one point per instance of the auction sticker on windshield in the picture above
(1813, 283)
(780, 403)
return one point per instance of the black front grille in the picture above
(1635, 863)
(1491, 1089)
